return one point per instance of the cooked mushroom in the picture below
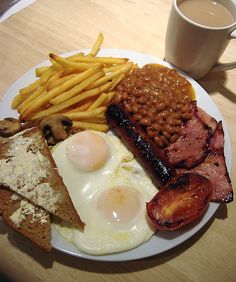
(9, 127)
(55, 128)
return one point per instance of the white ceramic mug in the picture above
(195, 48)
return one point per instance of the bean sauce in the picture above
(159, 99)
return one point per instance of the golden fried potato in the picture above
(79, 86)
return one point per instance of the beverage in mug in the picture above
(206, 12)
(197, 34)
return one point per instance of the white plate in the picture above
(161, 241)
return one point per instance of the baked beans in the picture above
(159, 99)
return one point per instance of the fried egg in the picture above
(85, 162)
(109, 190)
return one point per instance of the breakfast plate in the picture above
(163, 240)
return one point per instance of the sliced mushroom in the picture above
(55, 128)
(9, 127)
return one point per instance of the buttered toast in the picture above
(27, 168)
(22, 216)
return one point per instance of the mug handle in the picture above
(226, 66)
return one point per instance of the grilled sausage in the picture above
(146, 152)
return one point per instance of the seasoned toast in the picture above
(22, 216)
(27, 168)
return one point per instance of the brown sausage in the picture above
(143, 148)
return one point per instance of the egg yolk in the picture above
(87, 151)
(119, 205)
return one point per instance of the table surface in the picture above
(62, 26)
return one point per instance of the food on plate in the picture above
(108, 201)
(31, 221)
(171, 208)
(73, 86)
(207, 119)
(203, 153)
(90, 125)
(181, 201)
(192, 145)
(214, 168)
(148, 154)
(97, 45)
(55, 128)
(28, 169)
(159, 99)
(191, 149)
(18, 213)
(87, 151)
(109, 191)
(9, 126)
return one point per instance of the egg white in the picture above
(99, 237)
(82, 185)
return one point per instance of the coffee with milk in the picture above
(206, 12)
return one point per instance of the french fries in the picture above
(24, 92)
(86, 114)
(72, 101)
(103, 99)
(78, 86)
(97, 45)
(90, 125)
(39, 71)
(76, 89)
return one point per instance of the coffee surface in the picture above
(206, 12)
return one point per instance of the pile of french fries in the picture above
(79, 87)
